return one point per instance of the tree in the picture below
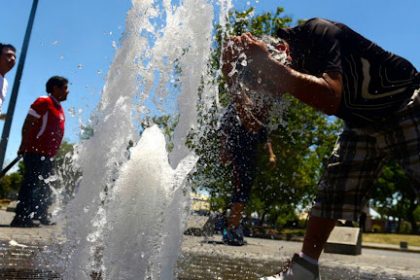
(166, 123)
(9, 185)
(394, 196)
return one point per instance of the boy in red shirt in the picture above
(42, 133)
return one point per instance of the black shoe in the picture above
(233, 236)
(25, 223)
(46, 222)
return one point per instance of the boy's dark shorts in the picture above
(243, 146)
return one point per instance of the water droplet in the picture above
(72, 111)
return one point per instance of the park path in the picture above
(209, 259)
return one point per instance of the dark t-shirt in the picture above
(376, 83)
(240, 143)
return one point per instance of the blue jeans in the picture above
(34, 194)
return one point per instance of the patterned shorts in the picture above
(358, 158)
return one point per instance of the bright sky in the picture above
(77, 39)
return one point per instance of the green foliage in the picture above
(166, 123)
(302, 146)
(394, 196)
(9, 185)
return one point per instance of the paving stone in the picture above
(209, 259)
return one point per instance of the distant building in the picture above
(200, 204)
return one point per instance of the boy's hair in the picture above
(2, 46)
(55, 81)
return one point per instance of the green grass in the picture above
(4, 203)
(391, 238)
(381, 238)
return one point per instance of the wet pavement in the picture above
(209, 259)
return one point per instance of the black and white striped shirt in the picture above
(376, 83)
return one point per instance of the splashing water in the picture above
(147, 217)
(126, 220)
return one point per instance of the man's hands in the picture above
(244, 49)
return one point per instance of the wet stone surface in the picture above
(213, 267)
(37, 254)
(24, 263)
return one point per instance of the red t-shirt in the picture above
(46, 135)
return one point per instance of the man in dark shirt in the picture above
(341, 73)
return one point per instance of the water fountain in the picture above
(126, 220)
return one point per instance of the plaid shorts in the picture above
(358, 158)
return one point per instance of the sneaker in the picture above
(299, 269)
(26, 223)
(46, 222)
(233, 236)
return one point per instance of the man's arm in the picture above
(272, 159)
(28, 125)
(322, 93)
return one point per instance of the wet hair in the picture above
(9, 46)
(55, 81)
(285, 33)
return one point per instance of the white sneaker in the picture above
(299, 269)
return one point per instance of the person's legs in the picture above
(404, 143)
(24, 208)
(244, 154)
(235, 216)
(354, 165)
(316, 235)
(42, 199)
(410, 144)
(232, 233)
(243, 177)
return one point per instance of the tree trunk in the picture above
(410, 217)
(263, 218)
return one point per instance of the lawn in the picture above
(382, 238)
(4, 203)
(391, 238)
